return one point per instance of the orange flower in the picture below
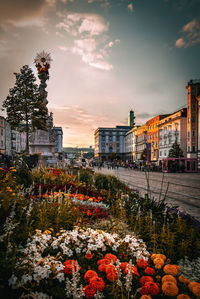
(169, 278)
(195, 288)
(111, 257)
(158, 266)
(103, 261)
(183, 296)
(183, 279)
(145, 297)
(89, 274)
(142, 263)
(171, 269)
(158, 255)
(158, 261)
(97, 283)
(169, 288)
(145, 279)
(89, 291)
(149, 271)
(111, 276)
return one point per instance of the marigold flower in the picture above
(111, 276)
(149, 271)
(183, 296)
(97, 283)
(169, 288)
(183, 279)
(111, 257)
(103, 261)
(159, 261)
(145, 297)
(158, 255)
(158, 266)
(145, 279)
(102, 267)
(171, 269)
(89, 274)
(150, 288)
(142, 263)
(133, 270)
(169, 278)
(195, 288)
(89, 291)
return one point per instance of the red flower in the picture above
(142, 263)
(111, 276)
(123, 265)
(149, 271)
(103, 261)
(133, 270)
(89, 274)
(89, 291)
(89, 256)
(110, 268)
(145, 279)
(69, 265)
(97, 283)
(149, 288)
(111, 257)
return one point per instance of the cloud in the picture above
(27, 23)
(81, 23)
(190, 35)
(130, 7)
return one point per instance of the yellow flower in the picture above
(90, 199)
(13, 194)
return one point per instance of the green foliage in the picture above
(24, 105)
(86, 177)
(175, 151)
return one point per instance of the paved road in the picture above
(183, 190)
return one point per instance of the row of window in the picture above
(110, 138)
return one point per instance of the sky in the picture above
(109, 56)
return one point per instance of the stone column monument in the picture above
(43, 142)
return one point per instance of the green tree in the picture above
(175, 151)
(24, 104)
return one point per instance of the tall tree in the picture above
(26, 109)
(175, 151)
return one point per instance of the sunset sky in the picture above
(109, 56)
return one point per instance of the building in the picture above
(76, 152)
(131, 119)
(2, 135)
(141, 144)
(193, 119)
(153, 138)
(109, 141)
(173, 128)
(131, 144)
(8, 138)
(58, 139)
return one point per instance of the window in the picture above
(188, 134)
(1, 143)
(193, 133)
(160, 153)
(110, 138)
(165, 153)
(193, 148)
(193, 119)
(1, 132)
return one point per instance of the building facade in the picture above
(173, 128)
(2, 135)
(193, 119)
(141, 144)
(131, 144)
(109, 141)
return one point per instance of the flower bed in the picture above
(87, 263)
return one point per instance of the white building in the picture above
(131, 144)
(110, 140)
(173, 128)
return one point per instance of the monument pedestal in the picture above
(41, 144)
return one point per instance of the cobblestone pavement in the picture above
(182, 190)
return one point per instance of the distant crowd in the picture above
(127, 165)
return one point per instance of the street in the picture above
(182, 190)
